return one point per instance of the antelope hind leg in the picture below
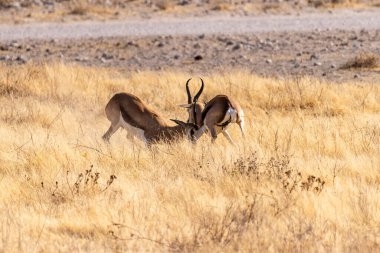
(111, 130)
(228, 137)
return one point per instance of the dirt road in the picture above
(343, 19)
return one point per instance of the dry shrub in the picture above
(79, 7)
(331, 3)
(278, 171)
(163, 4)
(363, 60)
(5, 3)
(85, 184)
(220, 6)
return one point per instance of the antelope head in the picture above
(188, 129)
(193, 107)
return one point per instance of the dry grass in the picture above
(362, 60)
(305, 179)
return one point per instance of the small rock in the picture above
(15, 45)
(107, 56)
(356, 76)
(81, 58)
(333, 66)
(160, 44)
(183, 2)
(131, 43)
(37, 2)
(4, 48)
(314, 56)
(196, 45)
(354, 37)
(229, 43)
(299, 54)
(317, 64)
(236, 47)
(4, 58)
(198, 57)
(176, 57)
(269, 61)
(269, 44)
(201, 36)
(21, 59)
(15, 5)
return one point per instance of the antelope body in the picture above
(216, 116)
(128, 111)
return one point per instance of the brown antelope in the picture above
(128, 111)
(215, 116)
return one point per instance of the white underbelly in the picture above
(132, 131)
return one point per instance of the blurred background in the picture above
(20, 11)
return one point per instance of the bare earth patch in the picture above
(318, 53)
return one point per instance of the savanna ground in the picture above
(26, 11)
(305, 178)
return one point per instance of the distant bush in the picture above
(363, 60)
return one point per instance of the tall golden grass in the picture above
(305, 179)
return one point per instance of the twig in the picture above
(20, 147)
(59, 114)
(95, 149)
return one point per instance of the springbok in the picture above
(215, 116)
(128, 111)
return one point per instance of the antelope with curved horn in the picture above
(194, 108)
(216, 115)
(128, 111)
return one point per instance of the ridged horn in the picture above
(188, 92)
(199, 92)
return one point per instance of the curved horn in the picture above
(199, 92)
(188, 92)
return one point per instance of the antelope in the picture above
(215, 116)
(131, 113)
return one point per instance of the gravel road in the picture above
(344, 19)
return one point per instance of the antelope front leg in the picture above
(199, 133)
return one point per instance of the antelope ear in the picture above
(185, 105)
(178, 122)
